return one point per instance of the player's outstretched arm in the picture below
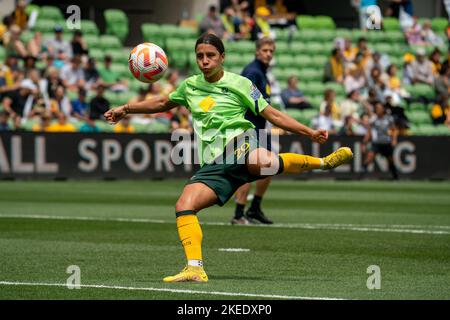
(288, 123)
(153, 105)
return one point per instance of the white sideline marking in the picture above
(413, 229)
(216, 293)
(234, 249)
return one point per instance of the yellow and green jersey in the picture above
(218, 110)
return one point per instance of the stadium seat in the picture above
(418, 106)
(390, 24)
(314, 89)
(318, 61)
(120, 68)
(325, 23)
(116, 23)
(305, 22)
(168, 30)
(395, 37)
(92, 41)
(302, 61)
(108, 42)
(338, 88)
(187, 33)
(89, 27)
(178, 59)
(44, 26)
(2, 53)
(150, 31)
(310, 75)
(285, 61)
(50, 12)
(420, 90)
(439, 24)
(282, 48)
(316, 101)
(97, 54)
(419, 117)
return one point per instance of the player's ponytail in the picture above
(212, 39)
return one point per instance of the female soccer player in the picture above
(228, 151)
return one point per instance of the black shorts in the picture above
(226, 175)
(384, 149)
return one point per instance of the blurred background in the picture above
(334, 62)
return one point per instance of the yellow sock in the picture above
(191, 236)
(298, 163)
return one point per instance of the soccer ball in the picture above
(147, 62)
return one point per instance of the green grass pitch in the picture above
(123, 236)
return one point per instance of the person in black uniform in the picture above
(256, 72)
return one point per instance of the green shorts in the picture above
(229, 174)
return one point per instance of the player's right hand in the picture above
(319, 136)
(114, 115)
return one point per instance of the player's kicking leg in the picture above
(194, 198)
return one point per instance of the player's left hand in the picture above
(319, 136)
(115, 115)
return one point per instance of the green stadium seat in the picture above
(120, 68)
(157, 127)
(305, 22)
(390, 24)
(32, 7)
(50, 12)
(282, 34)
(89, 27)
(306, 35)
(92, 41)
(325, 22)
(116, 23)
(178, 59)
(296, 114)
(418, 106)
(302, 61)
(395, 37)
(2, 53)
(44, 26)
(439, 24)
(150, 31)
(310, 75)
(316, 101)
(187, 33)
(374, 36)
(421, 90)
(97, 54)
(419, 117)
(338, 88)
(168, 30)
(285, 61)
(298, 47)
(343, 33)
(314, 89)
(318, 48)
(26, 36)
(108, 42)
(318, 61)
(282, 48)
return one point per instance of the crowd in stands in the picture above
(60, 86)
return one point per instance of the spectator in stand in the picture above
(435, 58)
(29, 64)
(12, 43)
(394, 83)
(61, 125)
(355, 79)
(72, 75)
(351, 106)
(58, 47)
(349, 52)
(19, 16)
(335, 110)
(9, 80)
(261, 27)
(212, 23)
(181, 120)
(124, 126)
(376, 83)
(364, 12)
(89, 126)
(334, 68)
(50, 84)
(325, 120)
(414, 33)
(4, 118)
(172, 82)
(60, 103)
(292, 97)
(422, 69)
(230, 23)
(80, 107)
(348, 128)
(407, 71)
(45, 120)
(79, 46)
(429, 37)
(442, 82)
(35, 46)
(110, 78)
(19, 103)
(91, 74)
(363, 53)
(440, 110)
(378, 60)
(99, 104)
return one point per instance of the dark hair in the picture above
(212, 39)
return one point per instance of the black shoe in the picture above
(257, 215)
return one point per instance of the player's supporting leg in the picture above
(264, 162)
(241, 200)
(255, 212)
(392, 168)
(195, 197)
